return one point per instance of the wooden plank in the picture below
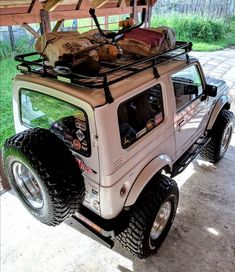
(34, 17)
(51, 4)
(30, 30)
(85, 4)
(8, 11)
(98, 3)
(55, 16)
(122, 3)
(19, 19)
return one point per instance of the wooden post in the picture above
(106, 22)
(12, 39)
(149, 13)
(135, 12)
(45, 25)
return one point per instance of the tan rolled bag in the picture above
(69, 49)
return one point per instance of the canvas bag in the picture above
(54, 45)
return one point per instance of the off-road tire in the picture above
(55, 169)
(213, 151)
(136, 237)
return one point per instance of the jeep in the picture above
(99, 153)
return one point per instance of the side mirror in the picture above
(210, 90)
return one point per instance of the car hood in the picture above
(219, 83)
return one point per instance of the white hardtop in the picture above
(95, 97)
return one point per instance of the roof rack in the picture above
(110, 73)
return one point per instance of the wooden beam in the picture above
(56, 16)
(57, 25)
(8, 11)
(122, 3)
(98, 3)
(19, 19)
(45, 19)
(51, 4)
(83, 4)
(30, 30)
(34, 17)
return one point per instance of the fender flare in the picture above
(223, 100)
(146, 175)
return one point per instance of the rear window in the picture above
(68, 122)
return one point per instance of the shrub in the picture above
(22, 46)
(193, 26)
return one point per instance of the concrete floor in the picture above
(202, 237)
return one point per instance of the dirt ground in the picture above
(202, 237)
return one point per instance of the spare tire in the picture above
(44, 174)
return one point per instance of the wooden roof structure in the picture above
(19, 12)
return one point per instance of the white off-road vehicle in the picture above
(100, 152)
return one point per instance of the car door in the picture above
(191, 114)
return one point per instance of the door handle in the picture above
(181, 122)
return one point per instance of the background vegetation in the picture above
(207, 34)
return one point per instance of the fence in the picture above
(211, 8)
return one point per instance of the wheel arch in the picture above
(222, 103)
(161, 162)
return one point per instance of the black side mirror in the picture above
(210, 90)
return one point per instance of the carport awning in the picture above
(18, 12)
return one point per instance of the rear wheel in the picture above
(221, 135)
(44, 174)
(151, 217)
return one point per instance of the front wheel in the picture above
(151, 217)
(221, 135)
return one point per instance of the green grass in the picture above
(7, 72)
(206, 34)
(21, 47)
(231, 34)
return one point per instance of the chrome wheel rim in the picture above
(28, 185)
(161, 220)
(226, 138)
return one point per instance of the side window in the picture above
(140, 115)
(68, 122)
(187, 86)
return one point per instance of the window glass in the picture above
(68, 122)
(187, 86)
(140, 115)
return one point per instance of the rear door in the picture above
(69, 118)
(191, 114)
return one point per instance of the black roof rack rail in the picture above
(110, 72)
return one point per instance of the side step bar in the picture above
(76, 223)
(189, 155)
